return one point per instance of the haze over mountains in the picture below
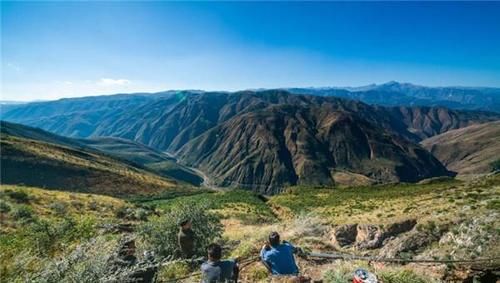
(394, 93)
(267, 140)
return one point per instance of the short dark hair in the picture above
(274, 238)
(214, 251)
(183, 222)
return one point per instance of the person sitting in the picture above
(278, 257)
(216, 270)
(186, 238)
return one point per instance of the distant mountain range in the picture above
(395, 94)
(263, 140)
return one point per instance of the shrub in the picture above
(59, 208)
(495, 165)
(257, 273)
(89, 262)
(141, 214)
(77, 205)
(23, 212)
(174, 270)
(337, 276)
(160, 233)
(18, 196)
(93, 205)
(124, 212)
(48, 236)
(4, 206)
(402, 276)
(307, 225)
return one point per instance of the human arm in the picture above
(263, 257)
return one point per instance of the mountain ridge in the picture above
(183, 123)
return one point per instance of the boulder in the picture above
(409, 242)
(344, 235)
(368, 237)
(372, 236)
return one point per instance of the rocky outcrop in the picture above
(369, 236)
(409, 242)
(344, 235)
(373, 237)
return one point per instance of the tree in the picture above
(160, 233)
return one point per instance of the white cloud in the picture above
(16, 68)
(113, 82)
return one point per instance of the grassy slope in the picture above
(248, 219)
(145, 156)
(468, 150)
(468, 210)
(128, 151)
(38, 225)
(239, 205)
(52, 166)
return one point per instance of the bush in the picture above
(89, 262)
(257, 273)
(59, 208)
(141, 214)
(4, 207)
(23, 212)
(160, 233)
(337, 276)
(77, 205)
(307, 225)
(124, 212)
(18, 196)
(402, 276)
(495, 165)
(174, 270)
(48, 236)
(93, 205)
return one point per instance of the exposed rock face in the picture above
(289, 145)
(373, 237)
(344, 235)
(409, 242)
(369, 236)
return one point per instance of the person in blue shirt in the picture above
(278, 257)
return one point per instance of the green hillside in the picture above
(136, 154)
(41, 164)
(150, 158)
(451, 220)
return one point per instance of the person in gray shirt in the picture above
(216, 270)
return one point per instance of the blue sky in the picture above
(67, 49)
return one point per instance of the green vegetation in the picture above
(237, 204)
(386, 203)
(75, 169)
(171, 169)
(39, 226)
(160, 233)
(62, 236)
